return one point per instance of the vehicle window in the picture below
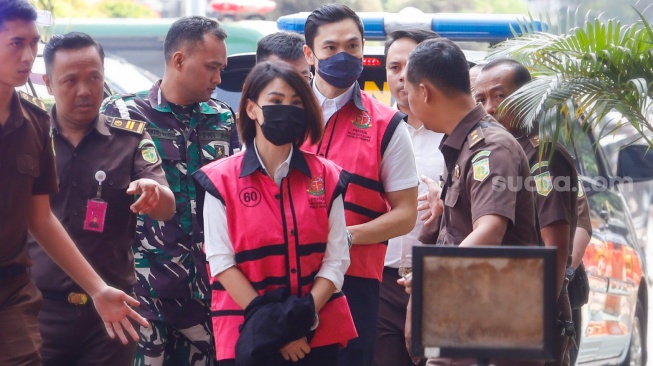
(587, 155)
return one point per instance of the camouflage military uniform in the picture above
(170, 262)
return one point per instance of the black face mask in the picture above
(283, 124)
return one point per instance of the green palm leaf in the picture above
(584, 75)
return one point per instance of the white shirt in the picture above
(398, 170)
(430, 163)
(220, 251)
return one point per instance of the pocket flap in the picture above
(452, 196)
(29, 165)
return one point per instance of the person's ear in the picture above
(178, 60)
(308, 55)
(48, 84)
(250, 109)
(424, 92)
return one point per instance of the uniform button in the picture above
(292, 232)
(111, 183)
(293, 270)
(74, 184)
(74, 155)
(75, 213)
(277, 196)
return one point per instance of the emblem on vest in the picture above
(316, 186)
(362, 123)
(317, 199)
(362, 120)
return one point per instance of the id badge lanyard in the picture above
(96, 207)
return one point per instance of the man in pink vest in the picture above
(370, 141)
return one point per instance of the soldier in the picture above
(476, 148)
(27, 177)
(284, 46)
(101, 162)
(555, 178)
(392, 338)
(369, 140)
(189, 130)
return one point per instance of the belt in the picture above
(75, 298)
(11, 270)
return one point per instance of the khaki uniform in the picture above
(68, 321)
(483, 162)
(27, 168)
(556, 185)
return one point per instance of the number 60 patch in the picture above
(250, 196)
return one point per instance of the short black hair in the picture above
(285, 45)
(520, 73)
(190, 30)
(326, 14)
(417, 35)
(68, 41)
(440, 62)
(16, 10)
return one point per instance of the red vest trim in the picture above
(279, 235)
(356, 140)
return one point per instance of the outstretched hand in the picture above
(114, 307)
(150, 195)
(430, 201)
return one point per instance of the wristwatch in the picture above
(349, 239)
(316, 322)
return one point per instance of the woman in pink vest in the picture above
(275, 233)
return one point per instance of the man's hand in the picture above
(407, 282)
(113, 306)
(150, 192)
(431, 201)
(295, 350)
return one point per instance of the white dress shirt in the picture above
(430, 163)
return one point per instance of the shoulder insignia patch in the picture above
(543, 184)
(540, 165)
(149, 154)
(481, 154)
(129, 125)
(481, 169)
(475, 136)
(33, 101)
(535, 141)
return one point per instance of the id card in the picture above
(96, 210)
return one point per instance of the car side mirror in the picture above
(636, 163)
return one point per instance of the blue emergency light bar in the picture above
(490, 28)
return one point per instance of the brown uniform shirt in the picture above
(583, 210)
(124, 156)
(555, 182)
(26, 168)
(484, 161)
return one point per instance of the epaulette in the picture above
(129, 125)
(33, 101)
(535, 141)
(475, 136)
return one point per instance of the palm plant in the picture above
(583, 75)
